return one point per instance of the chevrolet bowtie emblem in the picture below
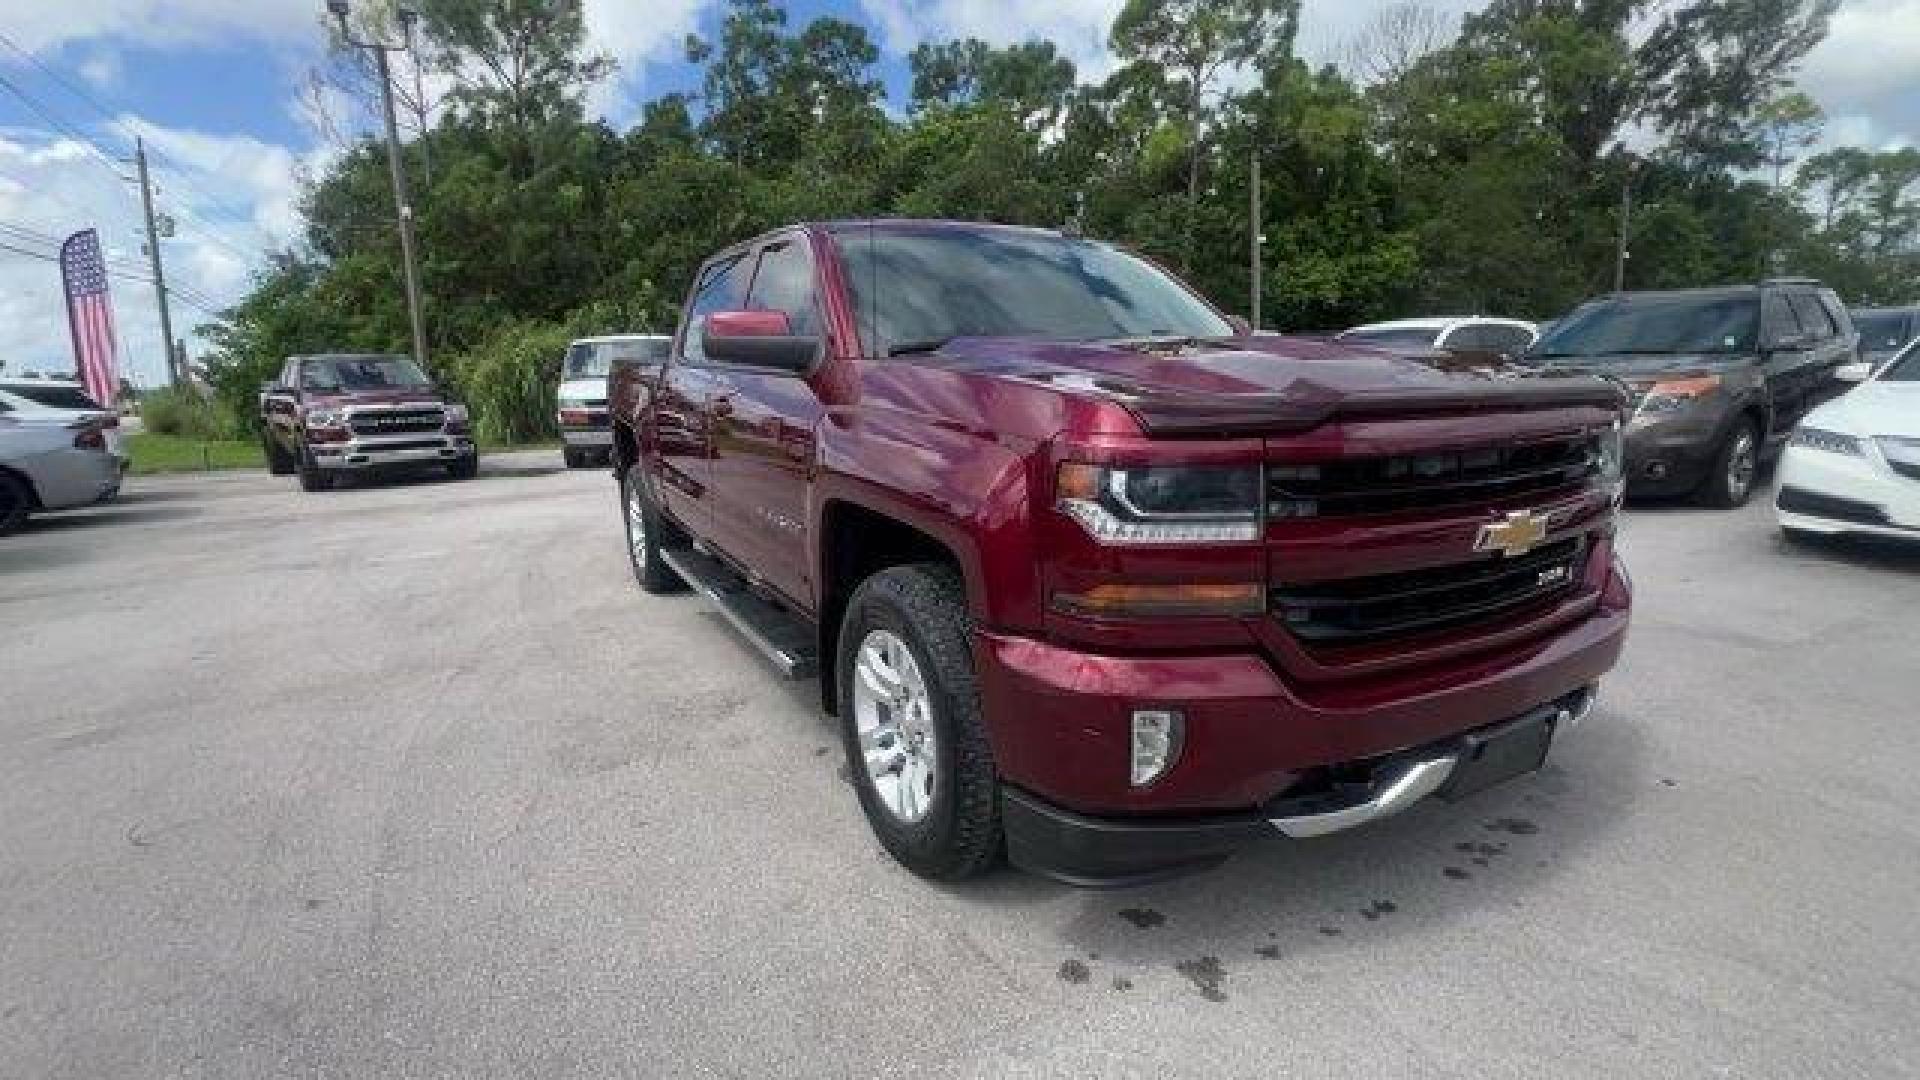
(1515, 534)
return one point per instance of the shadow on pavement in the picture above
(1435, 864)
(1871, 551)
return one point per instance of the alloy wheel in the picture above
(893, 718)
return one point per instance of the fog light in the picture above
(1157, 738)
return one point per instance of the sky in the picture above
(218, 90)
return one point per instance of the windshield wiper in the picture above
(925, 345)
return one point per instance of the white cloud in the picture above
(637, 34)
(39, 25)
(1077, 28)
(1864, 74)
(102, 69)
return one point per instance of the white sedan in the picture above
(1853, 465)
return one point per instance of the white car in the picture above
(49, 463)
(584, 429)
(61, 399)
(1471, 334)
(1853, 464)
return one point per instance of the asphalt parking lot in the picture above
(410, 780)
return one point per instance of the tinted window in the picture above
(584, 361)
(1780, 321)
(335, 374)
(1882, 331)
(784, 282)
(1404, 337)
(1904, 367)
(1813, 318)
(1656, 323)
(916, 287)
(722, 288)
(53, 395)
(1489, 337)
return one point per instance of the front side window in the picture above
(586, 360)
(350, 374)
(1813, 318)
(723, 287)
(1780, 323)
(1905, 367)
(1656, 324)
(784, 282)
(915, 288)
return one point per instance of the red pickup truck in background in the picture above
(1095, 578)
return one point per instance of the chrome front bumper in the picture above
(587, 437)
(377, 453)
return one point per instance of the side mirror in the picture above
(1857, 372)
(761, 339)
(1241, 327)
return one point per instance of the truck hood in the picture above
(1639, 368)
(425, 395)
(1270, 385)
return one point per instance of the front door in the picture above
(763, 436)
(682, 438)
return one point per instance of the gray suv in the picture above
(1718, 376)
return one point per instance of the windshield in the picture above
(1412, 337)
(1905, 367)
(923, 287)
(1674, 323)
(594, 359)
(53, 395)
(334, 374)
(1881, 331)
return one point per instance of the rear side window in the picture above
(723, 287)
(55, 396)
(785, 283)
(1813, 317)
(1884, 331)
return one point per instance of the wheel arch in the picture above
(855, 541)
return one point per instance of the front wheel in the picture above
(647, 531)
(1730, 479)
(910, 720)
(464, 468)
(574, 458)
(15, 503)
(312, 476)
(279, 462)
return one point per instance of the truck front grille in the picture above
(1350, 487)
(397, 421)
(1363, 609)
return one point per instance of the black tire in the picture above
(312, 476)
(464, 468)
(925, 606)
(641, 516)
(574, 458)
(16, 503)
(279, 462)
(1735, 471)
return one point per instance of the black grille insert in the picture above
(398, 422)
(1353, 610)
(1384, 485)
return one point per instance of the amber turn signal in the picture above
(1203, 598)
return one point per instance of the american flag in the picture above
(90, 315)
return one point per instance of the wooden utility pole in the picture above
(1258, 237)
(153, 257)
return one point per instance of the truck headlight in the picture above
(1165, 504)
(456, 414)
(1610, 464)
(1833, 442)
(321, 418)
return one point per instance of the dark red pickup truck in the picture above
(1099, 580)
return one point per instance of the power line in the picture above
(191, 297)
(60, 125)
